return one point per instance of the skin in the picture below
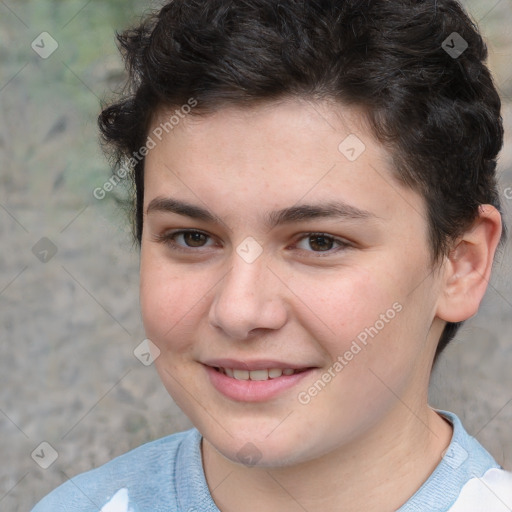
(369, 439)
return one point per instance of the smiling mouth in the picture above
(264, 374)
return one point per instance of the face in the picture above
(273, 243)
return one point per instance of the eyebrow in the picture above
(298, 213)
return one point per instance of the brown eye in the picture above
(321, 243)
(194, 238)
(184, 240)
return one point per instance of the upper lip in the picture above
(255, 364)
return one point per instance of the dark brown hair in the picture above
(416, 67)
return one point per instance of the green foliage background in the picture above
(48, 137)
(48, 134)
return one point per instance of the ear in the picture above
(468, 267)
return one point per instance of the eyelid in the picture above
(168, 239)
(343, 244)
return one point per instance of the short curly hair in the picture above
(437, 110)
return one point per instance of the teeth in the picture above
(241, 374)
(258, 375)
(272, 373)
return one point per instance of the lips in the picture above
(254, 381)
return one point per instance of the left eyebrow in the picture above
(298, 213)
(304, 212)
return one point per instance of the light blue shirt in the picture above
(167, 475)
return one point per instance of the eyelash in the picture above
(169, 240)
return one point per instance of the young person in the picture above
(317, 210)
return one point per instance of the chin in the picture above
(252, 446)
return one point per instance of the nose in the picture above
(249, 298)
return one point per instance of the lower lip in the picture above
(253, 390)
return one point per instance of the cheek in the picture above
(171, 309)
(365, 318)
(170, 300)
(343, 305)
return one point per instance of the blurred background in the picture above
(69, 314)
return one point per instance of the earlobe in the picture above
(468, 267)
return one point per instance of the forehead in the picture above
(247, 160)
(274, 126)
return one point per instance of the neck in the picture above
(378, 472)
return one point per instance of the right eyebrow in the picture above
(170, 205)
